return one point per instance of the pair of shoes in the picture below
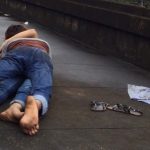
(102, 106)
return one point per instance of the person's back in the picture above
(18, 35)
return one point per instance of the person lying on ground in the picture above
(10, 86)
(28, 57)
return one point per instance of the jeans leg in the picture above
(11, 74)
(8, 87)
(10, 68)
(22, 93)
(40, 73)
(42, 88)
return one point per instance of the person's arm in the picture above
(30, 33)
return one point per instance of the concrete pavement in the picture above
(79, 77)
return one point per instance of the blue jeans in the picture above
(34, 64)
(8, 87)
(23, 91)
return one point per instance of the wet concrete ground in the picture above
(80, 77)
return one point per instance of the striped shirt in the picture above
(33, 42)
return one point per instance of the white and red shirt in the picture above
(33, 42)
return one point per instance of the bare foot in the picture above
(13, 113)
(30, 121)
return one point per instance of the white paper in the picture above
(139, 93)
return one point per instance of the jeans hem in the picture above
(44, 103)
(18, 101)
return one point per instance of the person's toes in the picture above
(31, 131)
(37, 126)
(2, 117)
(26, 131)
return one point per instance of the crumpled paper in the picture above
(139, 93)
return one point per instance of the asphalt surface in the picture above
(80, 77)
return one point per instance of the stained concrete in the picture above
(79, 77)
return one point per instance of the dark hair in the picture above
(13, 30)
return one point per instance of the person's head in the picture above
(13, 30)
